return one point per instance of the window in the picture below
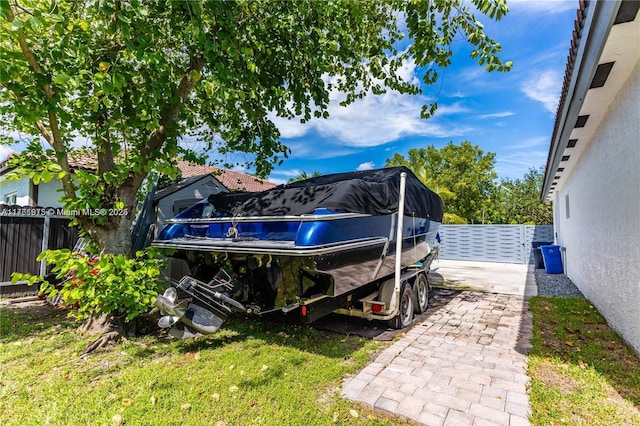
(566, 205)
(11, 198)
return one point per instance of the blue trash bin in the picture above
(552, 259)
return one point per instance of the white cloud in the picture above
(498, 114)
(374, 120)
(454, 108)
(290, 129)
(516, 164)
(277, 181)
(545, 88)
(366, 166)
(288, 173)
(542, 6)
(318, 150)
(4, 152)
(457, 94)
(539, 141)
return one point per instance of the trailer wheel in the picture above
(421, 293)
(405, 316)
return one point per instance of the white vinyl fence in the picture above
(493, 243)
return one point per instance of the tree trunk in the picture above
(109, 330)
(112, 238)
(116, 240)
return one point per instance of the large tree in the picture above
(132, 77)
(518, 200)
(463, 175)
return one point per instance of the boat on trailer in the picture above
(358, 243)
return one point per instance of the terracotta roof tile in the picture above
(4, 162)
(569, 69)
(235, 181)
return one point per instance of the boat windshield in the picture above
(202, 209)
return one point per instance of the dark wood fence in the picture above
(24, 234)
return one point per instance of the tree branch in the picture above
(54, 138)
(105, 153)
(159, 136)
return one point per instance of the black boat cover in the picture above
(374, 192)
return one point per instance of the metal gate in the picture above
(492, 243)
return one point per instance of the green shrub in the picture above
(107, 284)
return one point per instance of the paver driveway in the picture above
(465, 364)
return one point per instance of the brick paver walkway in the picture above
(464, 365)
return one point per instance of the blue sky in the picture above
(511, 114)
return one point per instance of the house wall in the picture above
(20, 186)
(48, 194)
(185, 197)
(597, 216)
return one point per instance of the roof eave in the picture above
(598, 22)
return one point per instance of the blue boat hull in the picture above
(325, 254)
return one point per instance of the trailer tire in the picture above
(421, 294)
(405, 316)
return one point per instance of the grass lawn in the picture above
(251, 372)
(581, 372)
(262, 372)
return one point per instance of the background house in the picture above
(593, 169)
(197, 183)
(24, 192)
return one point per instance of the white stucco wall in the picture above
(602, 233)
(48, 194)
(20, 186)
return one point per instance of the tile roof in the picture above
(602, 54)
(233, 180)
(78, 159)
(4, 162)
(576, 36)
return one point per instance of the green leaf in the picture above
(61, 78)
(16, 25)
(118, 80)
(124, 18)
(46, 176)
(35, 23)
(195, 76)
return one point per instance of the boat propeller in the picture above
(185, 319)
